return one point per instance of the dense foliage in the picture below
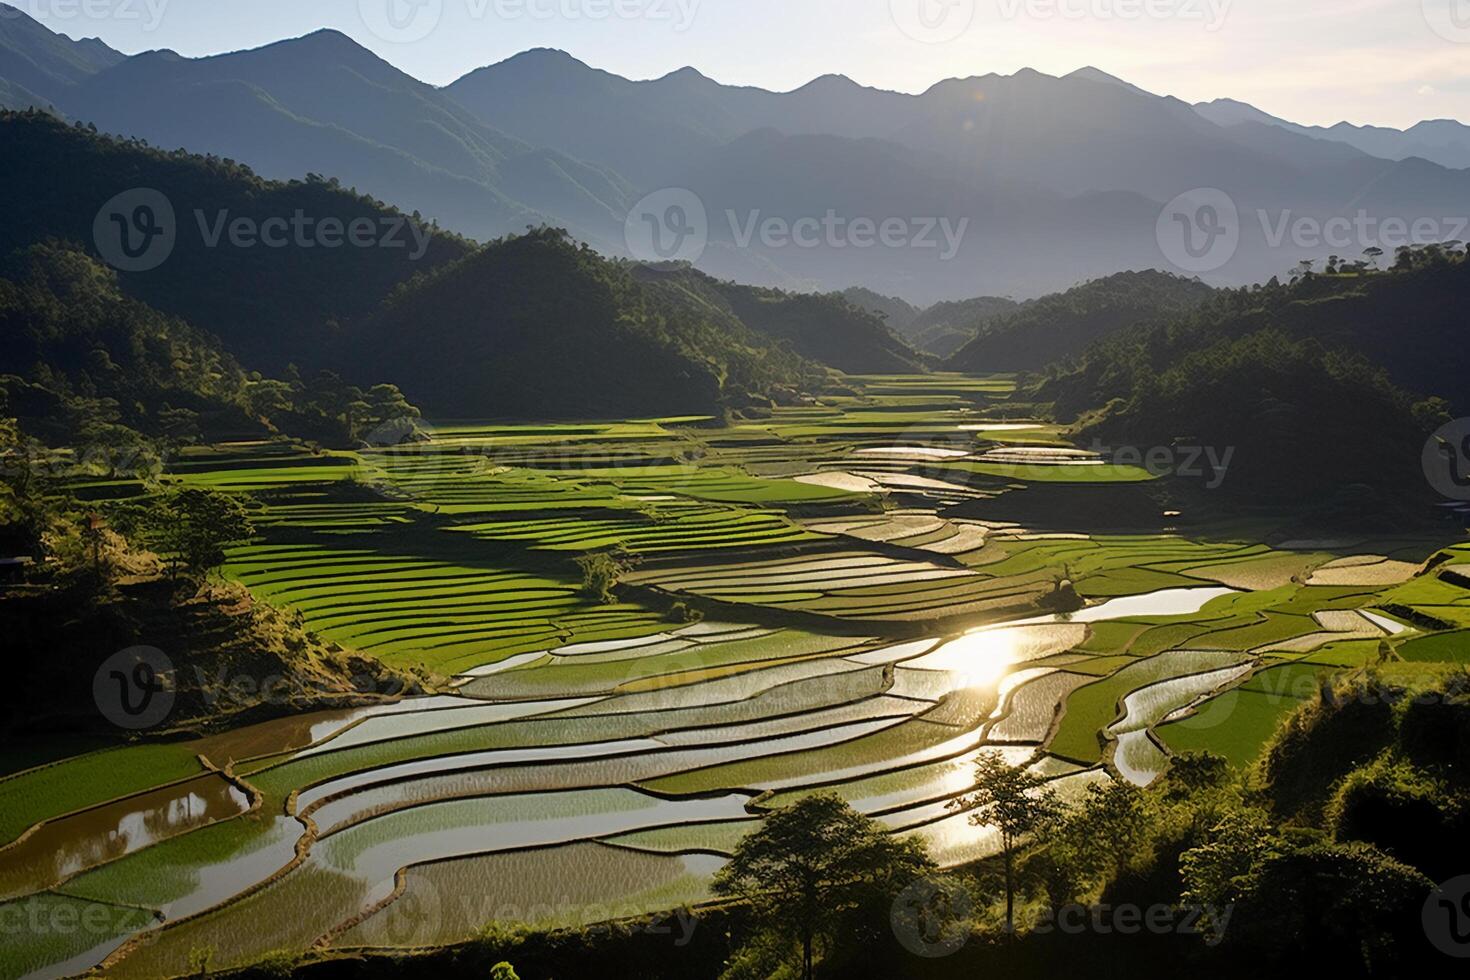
(1307, 382)
(827, 329)
(814, 876)
(270, 306)
(944, 328)
(84, 365)
(540, 326)
(1061, 325)
(940, 329)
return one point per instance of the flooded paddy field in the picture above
(818, 601)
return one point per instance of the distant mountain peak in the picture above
(832, 80)
(685, 74)
(1091, 74)
(544, 57)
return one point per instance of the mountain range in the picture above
(1037, 182)
(531, 324)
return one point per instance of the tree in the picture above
(1220, 872)
(1017, 803)
(1115, 818)
(814, 864)
(194, 527)
(1373, 255)
(600, 574)
(503, 971)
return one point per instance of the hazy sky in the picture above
(1386, 62)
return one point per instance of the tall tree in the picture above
(812, 865)
(194, 527)
(1017, 803)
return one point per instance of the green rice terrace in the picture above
(852, 594)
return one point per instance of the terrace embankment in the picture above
(235, 660)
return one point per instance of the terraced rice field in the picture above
(861, 626)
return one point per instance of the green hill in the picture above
(944, 328)
(1317, 386)
(269, 306)
(940, 329)
(826, 328)
(1058, 326)
(539, 326)
(86, 366)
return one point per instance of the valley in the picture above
(829, 596)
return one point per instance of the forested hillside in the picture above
(944, 328)
(826, 328)
(1059, 326)
(541, 326)
(87, 366)
(270, 306)
(1319, 385)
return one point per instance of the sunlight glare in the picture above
(981, 659)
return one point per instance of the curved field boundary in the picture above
(302, 851)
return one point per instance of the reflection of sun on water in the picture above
(981, 659)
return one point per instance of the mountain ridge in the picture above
(1056, 179)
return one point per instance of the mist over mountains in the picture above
(996, 185)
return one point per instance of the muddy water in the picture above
(272, 737)
(68, 846)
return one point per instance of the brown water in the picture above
(65, 847)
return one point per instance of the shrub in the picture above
(1344, 727)
(1401, 811)
(600, 574)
